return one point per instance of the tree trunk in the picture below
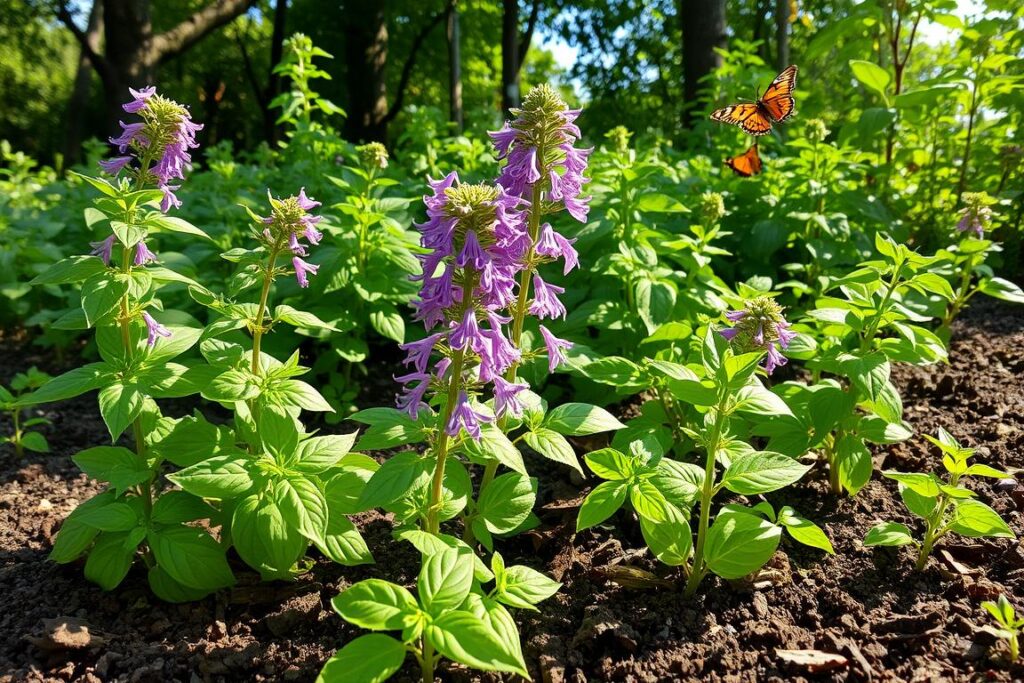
(510, 61)
(455, 69)
(78, 105)
(366, 51)
(703, 25)
(781, 34)
(270, 129)
(128, 35)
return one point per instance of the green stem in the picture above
(876, 320)
(427, 661)
(962, 294)
(833, 462)
(19, 450)
(935, 528)
(441, 448)
(261, 311)
(698, 570)
(1014, 648)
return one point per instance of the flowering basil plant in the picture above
(270, 487)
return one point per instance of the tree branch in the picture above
(410, 62)
(250, 72)
(531, 24)
(97, 61)
(192, 30)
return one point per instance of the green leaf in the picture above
(174, 224)
(109, 560)
(120, 405)
(888, 534)
(922, 506)
(114, 464)
(73, 269)
(523, 587)
(429, 544)
(116, 516)
(670, 541)
(656, 202)
(601, 503)
(343, 543)
(975, 519)
(323, 452)
(804, 531)
(755, 398)
(872, 75)
(34, 441)
(401, 473)
(388, 322)
(169, 590)
(648, 501)
(297, 393)
(506, 501)
(178, 507)
(462, 637)
(75, 537)
(301, 319)
(924, 484)
(372, 658)
(376, 604)
(70, 384)
(101, 296)
(231, 386)
(761, 472)
(610, 464)
(581, 419)
(388, 428)
(303, 505)
(999, 288)
(618, 372)
(494, 445)
(655, 300)
(870, 373)
(553, 446)
(265, 539)
(739, 544)
(445, 580)
(191, 557)
(853, 459)
(221, 477)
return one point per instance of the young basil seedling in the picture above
(1010, 625)
(945, 505)
(21, 437)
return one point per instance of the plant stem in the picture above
(962, 294)
(698, 570)
(19, 450)
(261, 311)
(876, 320)
(833, 463)
(933, 533)
(1014, 648)
(441, 449)
(427, 661)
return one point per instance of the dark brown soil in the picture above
(609, 623)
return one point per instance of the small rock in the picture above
(45, 504)
(1005, 485)
(551, 670)
(66, 633)
(760, 604)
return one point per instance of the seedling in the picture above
(944, 504)
(22, 438)
(1010, 625)
(451, 616)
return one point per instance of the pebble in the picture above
(1008, 484)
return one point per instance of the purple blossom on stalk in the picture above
(538, 146)
(554, 346)
(506, 397)
(153, 329)
(760, 325)
(159, 144)
(143, 255)
(976, 216)
(104, 249)
(303, 270)
(288, 222)
(464, 417)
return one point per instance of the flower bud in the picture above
(373, 156)
(712, 208)
(618, 138)
(816, 130)
(976, 215)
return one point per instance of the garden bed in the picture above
(620, 615)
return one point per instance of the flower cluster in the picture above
(155, 150)
(373, 156)
(711, 208)
(817, 131)
(478, 242)
(976, 215)
(290, 220)
(760, 325)
(538, 146)
(618, 139)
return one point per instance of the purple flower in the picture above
(760, 325)
(293, 244)
(545, 300)
(143, 255)
(506, 397)
(412, 399)
(554, 346)
(419, 351)
(472, 253)
(116, 165)
(303, 270)
(170, 199)
(312, 235)
(976, 215)
(139, 103)
(306, 203)
(464, 417)
(104, 249)
(465, 333)
(130, 132)
(553, 245)
(154, 329)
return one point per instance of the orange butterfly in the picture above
(775, 106)
(746, 164)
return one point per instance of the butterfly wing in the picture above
(750, 117)
(777, 100)
(746, 164)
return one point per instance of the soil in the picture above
(620, 615)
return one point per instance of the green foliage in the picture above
(1009, 624)
(945, 505)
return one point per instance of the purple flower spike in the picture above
(412, 399)
(506, 398)
(116, 165)
(464, 417)
(154, 329)
(303, 270)
(545, 300)
(554, 346)
(104, 249)
(306, 203)
(419, 351)
(760, 325)
(143, 255)
(129, 133)
(139, 103)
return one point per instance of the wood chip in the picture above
(632, 577)
(813, 660)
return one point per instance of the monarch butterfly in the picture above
(746, 164)
(775, 106)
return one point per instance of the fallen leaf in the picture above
(813, 660)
